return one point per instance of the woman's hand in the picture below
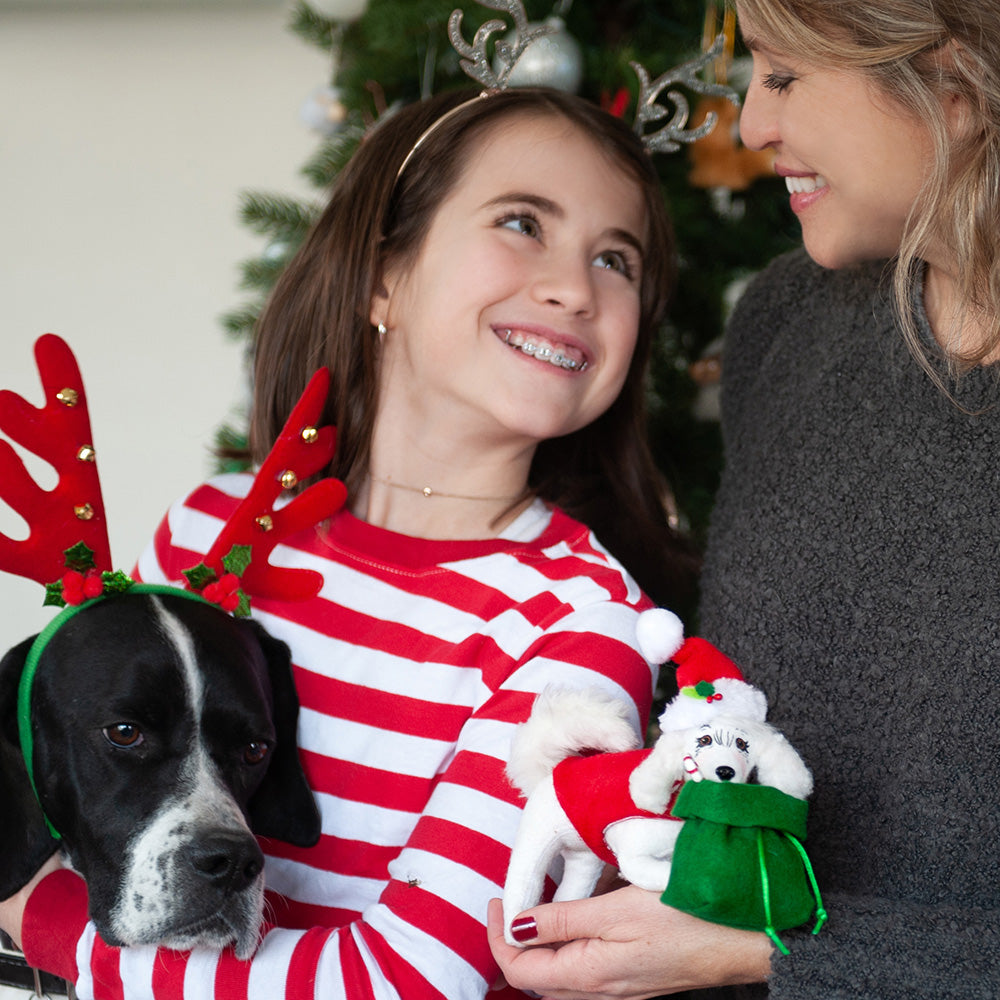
(625, 944)
(12, 909)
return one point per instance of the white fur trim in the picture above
(738, 698)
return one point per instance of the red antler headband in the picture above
(67, 524)
(67, 548)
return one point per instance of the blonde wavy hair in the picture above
(921, 54)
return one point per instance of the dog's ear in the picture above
(283, 806)
(780, 766)
(25, 841)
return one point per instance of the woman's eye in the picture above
(256, 752)
(778, 82)
(525, 224)
(123, 735)
(614, 260)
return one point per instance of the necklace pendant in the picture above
(427, 491)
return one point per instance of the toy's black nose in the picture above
(725, 773)
(228, 862)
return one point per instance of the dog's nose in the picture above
(228, 861)
(725, 773)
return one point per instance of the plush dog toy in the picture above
(146, 732)
(593, 797)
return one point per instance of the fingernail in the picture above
(524, 929)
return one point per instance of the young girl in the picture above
(852, 562)
(486, 312)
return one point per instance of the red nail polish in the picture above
(524, 929)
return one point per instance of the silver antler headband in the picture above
(477, 66)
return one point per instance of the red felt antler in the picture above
(59, 432)
(301, 450)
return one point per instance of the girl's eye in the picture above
(614, 260)
(123, 735)
(778, 82)
(522, 223)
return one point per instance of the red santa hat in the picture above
(709, 684)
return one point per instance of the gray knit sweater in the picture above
(853, 571)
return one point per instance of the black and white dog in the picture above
(164, 736)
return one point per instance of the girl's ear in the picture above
(385, 286)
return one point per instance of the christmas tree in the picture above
(730, 212)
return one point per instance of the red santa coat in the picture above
(593, 792)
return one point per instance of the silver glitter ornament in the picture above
(554, 60)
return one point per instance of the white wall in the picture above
(125, 139)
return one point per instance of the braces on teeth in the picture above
(545, 353)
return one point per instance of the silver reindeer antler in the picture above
(670, 136)
(475, 63)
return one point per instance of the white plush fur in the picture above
(727, 748)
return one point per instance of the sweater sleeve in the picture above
(424, 936)
(892, 950)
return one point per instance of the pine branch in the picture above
(277, 216)
(312, 27)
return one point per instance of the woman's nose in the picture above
(758, 123)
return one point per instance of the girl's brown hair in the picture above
(318, 313)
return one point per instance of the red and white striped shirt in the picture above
(413, 665)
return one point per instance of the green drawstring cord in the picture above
(821, 914)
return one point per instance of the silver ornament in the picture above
(554, 60)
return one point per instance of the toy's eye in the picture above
(256, 752)
(742, 745)
(704, 741)
(123, 735)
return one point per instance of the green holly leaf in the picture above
(237, 559)
(116, 582)
(242, 610)
(704, 688)
(54, 595)
(79, 557)
(200, 575)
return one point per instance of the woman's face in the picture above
(518, 319)
(853, 162)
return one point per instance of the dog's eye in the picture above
(705, 741)
(254, 753)
(742, 745)
(123, 735)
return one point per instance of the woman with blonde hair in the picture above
(851, 568)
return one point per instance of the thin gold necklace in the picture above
(427, 491)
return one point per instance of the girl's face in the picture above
(518, 318)
(852, 161)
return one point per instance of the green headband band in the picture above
(31, 667)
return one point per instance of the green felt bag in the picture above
(739, 858)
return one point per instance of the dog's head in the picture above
(731, 748)
(164, 738)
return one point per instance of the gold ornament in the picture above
(310, 435)
(289, 480)
(84, 512)
(68, 397)
(86, 454)
(265, 522)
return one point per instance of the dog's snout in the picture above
(725, 772)
(228, 861)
